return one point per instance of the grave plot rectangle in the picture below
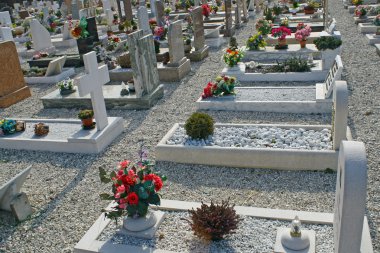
(112, 98)
(265, 158)
(291, 39)
(66, 72)
(372, 39)
(298, 99)
(66, 135)
(367, 28)
(317, 74)
(270, 53)
(90, 242)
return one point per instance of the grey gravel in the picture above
(63, 188)
(252, 236)
(258, 137)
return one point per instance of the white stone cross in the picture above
(91, 83)
(350, 198)
(340, 113)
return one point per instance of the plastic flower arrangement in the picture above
(7, 126)
(206, 10)
(357, 2)
(361, 10)
(233, 56)
(113, 41)
(159, 32)
(223, 86)
(284, 22)
(376, 20)
(255, 42)
(67, 84)
(79, 30)
(281, 32)
(264, 26)
(303, 32)
(135, 186)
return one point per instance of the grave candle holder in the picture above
(293, 238)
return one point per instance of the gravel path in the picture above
(63, 188)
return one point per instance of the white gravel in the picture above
(258, 137)
(252, 236)
(63, 188)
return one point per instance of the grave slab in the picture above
(317, 74)
(270, 53)
(66, 135)
(66, 72)
(215, 42)
(373, 39)
(121, 74)
(173, 74)
(60, 42)
(377, 46)
(367, 28)
(300, 99)
(112, 98)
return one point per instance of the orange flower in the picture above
(76, 32)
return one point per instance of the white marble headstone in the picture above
(340, 113)
(143, 19)
(6, 33)
(40, 36)
(55, 66)
(5, 18)
(334, 74)
(92, 83)
(109, 16)
(66, 35)
(350, 197)
(106, 5)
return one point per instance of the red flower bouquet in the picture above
(281, 32)
(134, 188)
(206, 10)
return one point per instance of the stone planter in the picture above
(140, 223)
(85, 45)
(66, 92)
(187, 48)
(303, 43)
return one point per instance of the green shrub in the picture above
(327, 42)
(293, 64)
(199, 125)
(86, 114)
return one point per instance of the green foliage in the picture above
(214, 222)
(327, 42)
(293, 64)
(86, 114)
(277, 10)
(268, 14)
(199, 125)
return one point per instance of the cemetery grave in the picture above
(271, 166)
(298, 99)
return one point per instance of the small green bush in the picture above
(293, 64)
(199, 125)
(327, 42)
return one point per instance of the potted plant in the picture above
(330, 47)
(302, 33)
(28, 45)
(135, 187)
(268, 14)
(79, 32)
(255, 42)
(310, 7)
(233, 56)
(66, 86)
(281, 33)
(167, 11)
(223, 86)
(361, 11)
(264, 26)
(87, 117)
(214, 8)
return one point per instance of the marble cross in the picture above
(91, 83)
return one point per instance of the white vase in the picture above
(140, 223)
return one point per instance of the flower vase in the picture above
(137, 224)
(87, 122)
(282, 44)
(303, 43)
